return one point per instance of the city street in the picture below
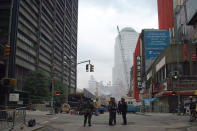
(136, 122)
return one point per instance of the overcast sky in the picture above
(97, 22)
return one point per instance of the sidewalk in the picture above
(159, 114)
(192, 128)
(39, 116)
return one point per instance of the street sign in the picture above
(14, 97)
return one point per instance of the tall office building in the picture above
(123, 58)
(43, 35)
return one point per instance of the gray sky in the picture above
(97, 31)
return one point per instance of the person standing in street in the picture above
(96, 106)
(119, 112)
(88, 108)
(192, 107)
(123, 108)
(112, 111)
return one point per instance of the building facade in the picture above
(161, 84)
(123, 60)
(42, 35)
(151, 43)
(165, 14)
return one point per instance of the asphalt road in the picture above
(136, 122)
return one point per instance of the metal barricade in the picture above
(10, 118)
(6, 119)
(20, 116)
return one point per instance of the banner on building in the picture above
(155, 43)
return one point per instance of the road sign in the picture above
(14, 97)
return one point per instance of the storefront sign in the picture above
(184, 85)
(194, 58)
(139, 80)
(149, 75)
(161, 64)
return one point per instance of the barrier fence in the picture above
(12, 117)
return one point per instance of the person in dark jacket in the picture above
(88, 108)
(192, 107)
(123, 108)
(119, 112)
(112, 111)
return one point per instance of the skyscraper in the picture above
(43, 35)
(123, 58)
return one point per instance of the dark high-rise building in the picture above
(43, 35)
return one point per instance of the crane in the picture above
(123, 58)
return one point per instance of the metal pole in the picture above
(52, 93)
(179, 103)
(67, 91)
(179, 100)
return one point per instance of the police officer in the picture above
(123, 108)
(112, 111)
(88, 109)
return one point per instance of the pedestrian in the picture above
(96, 106)
(192, 107)
(123, 108)
(119, 104)
(112, 111)
(88, 108)
(57, 107)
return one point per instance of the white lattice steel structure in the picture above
(124, 47)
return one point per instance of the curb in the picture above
(38, 128)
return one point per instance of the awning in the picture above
(149, 100)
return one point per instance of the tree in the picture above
(59, 86)
(38, 85)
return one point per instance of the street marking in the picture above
(49, 120)
(44, 122)
(54, 118)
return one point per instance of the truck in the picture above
(132, 105)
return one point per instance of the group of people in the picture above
(122, 109)
(88, 108)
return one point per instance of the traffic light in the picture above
(9, 82)
(7, 49)
(87, 67)
(57, 93)
(175, 75)
(91, 68)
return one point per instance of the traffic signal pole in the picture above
(75, 64)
